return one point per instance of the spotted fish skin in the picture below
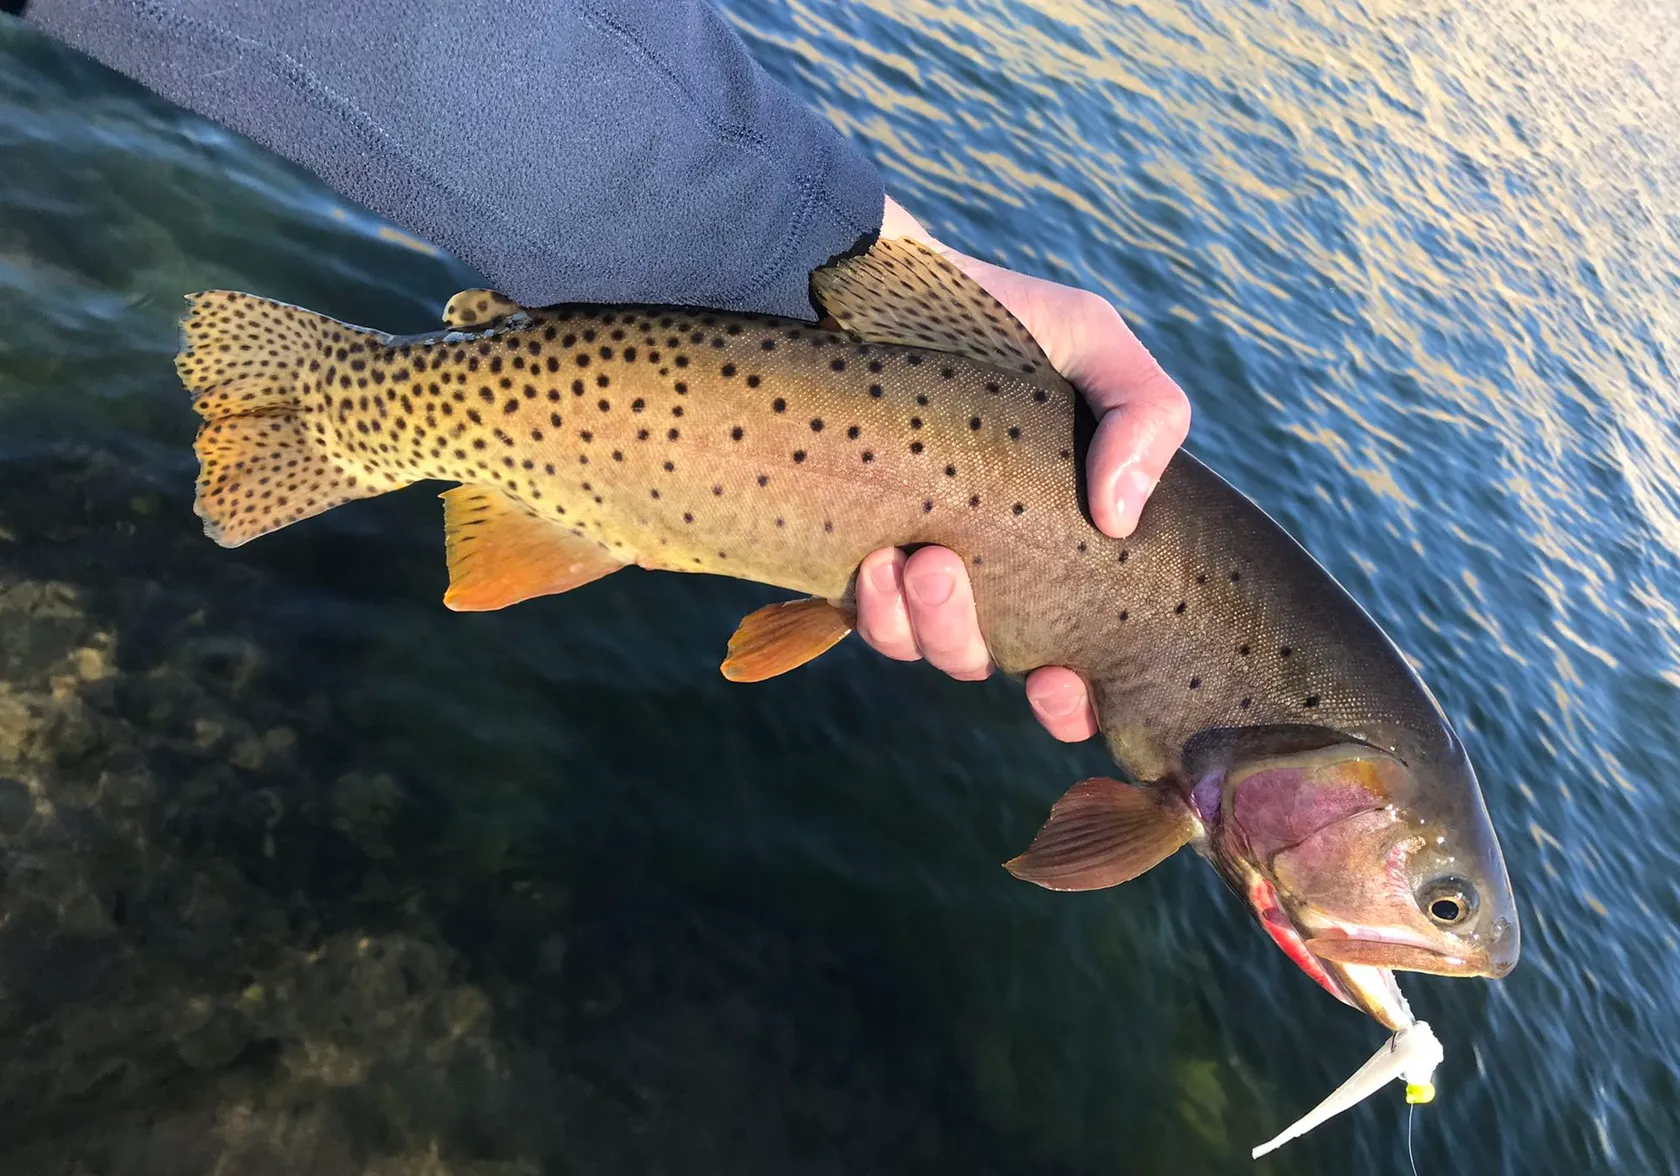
(770, 450)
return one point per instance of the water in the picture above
(301, 873)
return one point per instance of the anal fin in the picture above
(475, 309)
(1102, 833)
(500, 553)
(781, 637)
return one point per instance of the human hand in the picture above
(910, 607)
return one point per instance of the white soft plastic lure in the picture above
(1411, 1054)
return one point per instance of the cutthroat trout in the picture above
(1257, 712)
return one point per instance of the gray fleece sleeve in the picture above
(570, 150)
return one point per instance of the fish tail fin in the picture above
(268, 451)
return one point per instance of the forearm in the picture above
(571, 150)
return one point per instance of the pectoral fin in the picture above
(1102, 833)
(500, 553)
(781, 637)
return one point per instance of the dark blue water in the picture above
(301, 873)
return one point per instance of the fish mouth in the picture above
(1371, 990)
(1366, 985)
(1371, 947)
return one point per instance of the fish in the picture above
(1254, 710)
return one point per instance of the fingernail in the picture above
(932, 587)
(1058, 702)
(1135, 488)
(884, 576)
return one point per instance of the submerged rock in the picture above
(237, 937)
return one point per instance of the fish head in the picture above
(1359, 862)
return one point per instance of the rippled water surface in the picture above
(301, 873)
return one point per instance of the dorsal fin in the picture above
(473, 310)
(903, 292)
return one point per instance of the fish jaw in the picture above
(1371, 990)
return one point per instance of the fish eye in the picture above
(1448, 901)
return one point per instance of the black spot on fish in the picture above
(927, 506)
(852, 433)
(915, 447)
(681, 387)
(915, 422)
(1246, 703)
(764, 479)
(947, 372)
(816, 425)
(672, 434)
(1244, 649)
(1018, 508)
(1180, 607)
(1124, 555)
(798, 455)
(736, 433)
(922, 400)
(752, 381)
(913, 360)
(1312, 700)
(875, 366)
(950, 471)
(1125, 614)
(1285, 651)
(1041, 396)
(778, 405)
(974, 423)
(727, 371)
(682, 361)
(1195, 683)
(1014, 432)
(868, 456)
(768, 345)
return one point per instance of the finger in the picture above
(942, 616)
(1144, 414)
(883, 620)
(1059, 699)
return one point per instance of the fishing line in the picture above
(1411, 1118)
